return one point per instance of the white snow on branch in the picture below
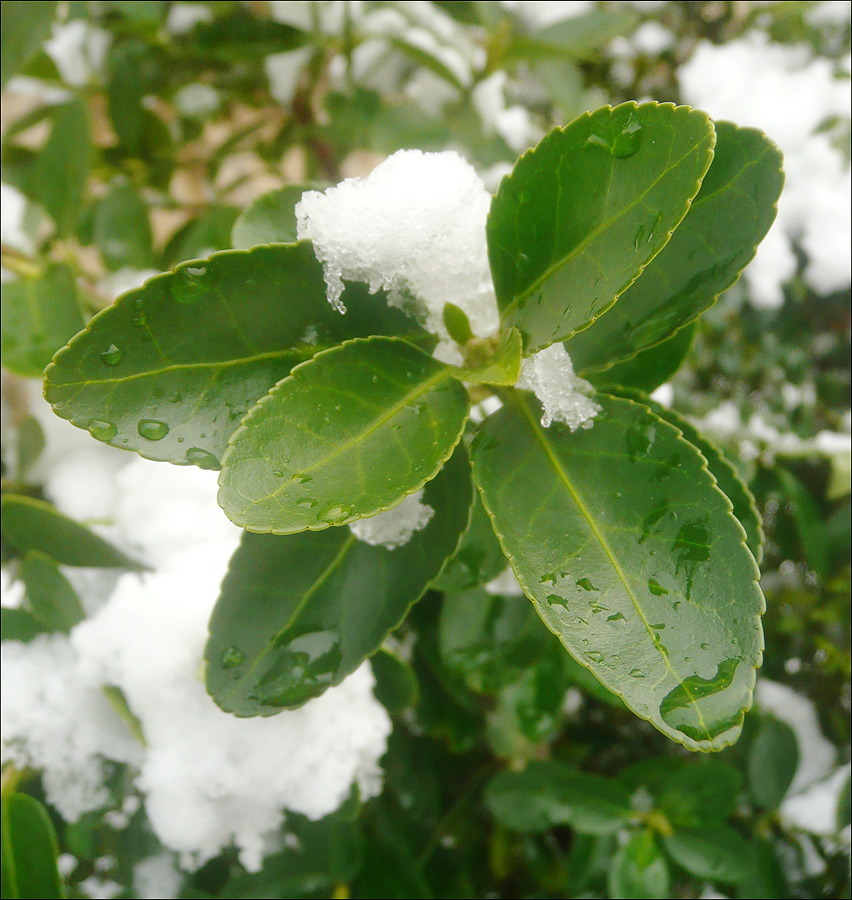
(414, 227)
(394, 527)
(550, 374)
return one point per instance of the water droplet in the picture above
(616, 618)
(201, 458)
(585, 584)
(627, 141)
(704, 645)
(152, 429)
(305, 665)
(232, 658)
(595, 655)
(102, 431)
(304, 479)
(656, 588)
(334, 515)
(637, 673)
(188, 287)
(278, 473)
(556, 600)
(306, 502)
(112, 356)
(638, 237)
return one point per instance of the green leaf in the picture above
(844, 805)
(122, 230)
(765, 879)
(727, 477)
(396, 684)
(325, 854)
(489, 640)
(31, 442)
(38, 316)
(49, 593)
(271, 219)
(20, 625)
(30, 524)
(578, 37)
(702, 792)
(25, 26)
(714, 852)
(808, 521)
(202, 236)
(298, 613)
(348, 434)
(563, 226)
(583, 679)
(773, 758)
(648, 369)
(170, 368)
(628, 550)
(547, 794)
(638, 870)
(29, 850)
(503, 366)
(717, 239)
(125, 92)
(56, 176)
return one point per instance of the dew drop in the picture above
(232, 658)
(152, 429)
(306, 502)
(102, 431)
(656, 588)
(278, 473)
(201, 458)
(304, 479)
(188, 288)
(627, 141)
(638, 237)
(637, 673)
(112, 356)
(616, 618)
(585, 584)
(595, 655)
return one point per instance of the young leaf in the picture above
(299, 613)
(170, 369)
(49, 593)
(563, 226)
(773, 758)
(29, 851)
(348, 434)
(727, 478)
(122, 230)
(19, 625)
(717, 239)
(271, 219)
(631, 556)
(547, 794)
(504, 365)
(38, 316)
(25, 25)
(714, 852)
(638, 870)
(648, 369)
(29, 524)
(396, 683)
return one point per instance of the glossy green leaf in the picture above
(717, 239)
(122, 231)
(271, 219)
(504, 365)
(563, 226)
(583, 678)
(547, 794)
(714, 852)
(29, 850)
(38, 316)
(773, 758)
(348, 434)
(49, 593)
(489, 640)
(396, 684)
(25, 26)
(577, 37)
(727, 477)
(170, 369)
(648, 369)
(638, 870)
(56, 176)
(628, 550)
(765, 879)
(479, 557)
(20, 625)
(29, 524)
(299, 613)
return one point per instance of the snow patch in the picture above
(550, 375)
(394, 527)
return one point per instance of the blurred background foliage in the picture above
(133, 140)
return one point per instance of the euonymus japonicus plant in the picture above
(632, 536)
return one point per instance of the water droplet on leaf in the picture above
(112, 356)
(152, 429)
(102, 431)
(201, 458)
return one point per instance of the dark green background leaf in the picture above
(29, 851)
(638, 870)
(25, 25)
(271, 219)
(49, 593)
